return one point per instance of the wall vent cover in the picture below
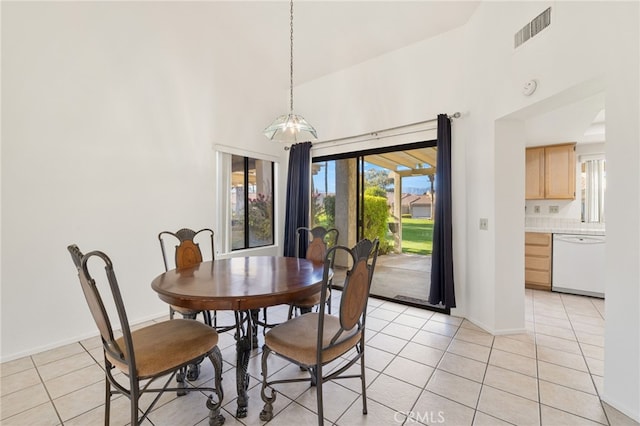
(532, 28)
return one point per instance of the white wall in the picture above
(476, 70)
(110, 113)
(622, 313)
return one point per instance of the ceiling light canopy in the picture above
(291, 127)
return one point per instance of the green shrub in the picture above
(330, 210)
(317, 209)
(376, 213)
(375, 191)
(260, 220)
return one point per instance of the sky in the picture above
(412, 184)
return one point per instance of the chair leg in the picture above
(364, 383)
(180, 377)
(135, 395)
(215, 418)
(265, 321)
(107, 402)
(318, 379)
(193, 371)
(290, 314)
(207, 318)
(329, 294)
(267, 411)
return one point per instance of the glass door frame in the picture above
(359, 156)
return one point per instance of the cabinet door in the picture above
(560, 172)
(534, 189)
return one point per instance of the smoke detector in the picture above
(529, 87)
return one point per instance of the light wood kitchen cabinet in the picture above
(537, 260)
(551, 172)
(535, 174)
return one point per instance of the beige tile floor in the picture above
(422, 368)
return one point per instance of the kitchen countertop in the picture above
(563, 230)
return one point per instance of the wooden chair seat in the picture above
(181, 341)
(297, 339)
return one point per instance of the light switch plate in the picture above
(536, 209)
(484, 224)
(554, 209)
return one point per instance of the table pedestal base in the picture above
(246, 339)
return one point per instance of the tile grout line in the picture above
(424, 387)
(47, 391)
(486, 367)
(395, 356)
(535, 342)
(555, 408)
(606, 416)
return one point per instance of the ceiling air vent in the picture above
(532, 28)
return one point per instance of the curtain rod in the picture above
(374, 135)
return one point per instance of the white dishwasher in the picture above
(578, 264)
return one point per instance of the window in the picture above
(251, 202)
(593, 177)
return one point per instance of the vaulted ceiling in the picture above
(333, 35)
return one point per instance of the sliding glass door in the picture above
(386, 193)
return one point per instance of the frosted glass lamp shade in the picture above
(290, 128)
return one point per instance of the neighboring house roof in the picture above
(411, 199)
(422, 200)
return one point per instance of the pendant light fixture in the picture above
(290, 127)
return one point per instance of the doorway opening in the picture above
(386, 193)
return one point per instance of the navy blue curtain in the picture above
(441, 291)
(298, 195)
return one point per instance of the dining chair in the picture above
(319, 240)
(149, 353)
(187, 254)
(315, 242)
(315, 339)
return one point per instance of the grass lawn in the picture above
(417, 236)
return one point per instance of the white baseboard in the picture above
(627, 412)
(70, 340)
(500, 332)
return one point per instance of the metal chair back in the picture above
(98, 309)
(355, 292)
(319, 240)
(187, 251)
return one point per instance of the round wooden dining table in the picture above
(243, 285)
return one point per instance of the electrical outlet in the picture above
(554, 209)
(484, 224)
(536, 209)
